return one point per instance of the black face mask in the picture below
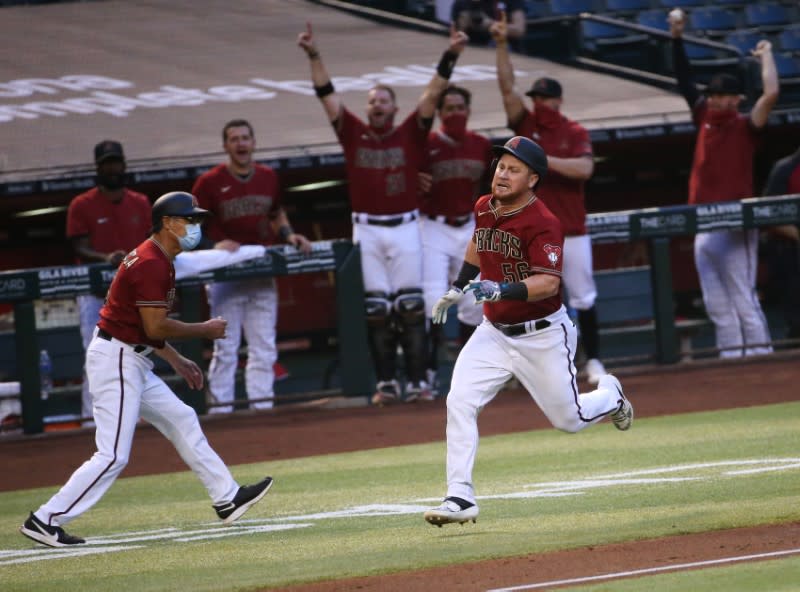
(111, 182)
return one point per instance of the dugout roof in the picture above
(163, 78)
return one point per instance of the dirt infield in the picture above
(295, 432)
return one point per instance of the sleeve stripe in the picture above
(546, 270)
(155, 303)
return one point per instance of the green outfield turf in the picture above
(360, 513)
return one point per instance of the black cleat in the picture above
(247, 496)
(52, 536)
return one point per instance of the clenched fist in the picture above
(484, 290)
(215, 328)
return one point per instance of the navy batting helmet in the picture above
(176, 203)
(527, 151)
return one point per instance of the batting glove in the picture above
(439, 312)
(484, 290)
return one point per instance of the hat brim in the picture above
(112, 156)
(537, 93)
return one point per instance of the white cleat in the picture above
(452, 510)
(623, 416)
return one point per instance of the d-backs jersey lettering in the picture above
(514, 246)
(382, 170)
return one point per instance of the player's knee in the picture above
(409, 306)
(569, 425)
(378, 308)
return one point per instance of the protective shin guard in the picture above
(381, 335)
(587, 321)
(409, 312)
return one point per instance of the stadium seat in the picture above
(628, 7)
(789, 39)
(787, 65)
(572, 7)
(655, 18)
(713, 21)
(767, 16)
(695, 51)
(535, 9)
(681, 3)
(734, 3)
(744, 40)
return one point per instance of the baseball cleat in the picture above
(388, 392)
(623, 416)
(52, 536)
(452, 510)
(247, 496)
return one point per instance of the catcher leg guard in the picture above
(382, 336)
(409, 311)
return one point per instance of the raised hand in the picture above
(763, 47)
(458, 39)
(439, 311)
(499, 28)
(677, 22)
(306, 40)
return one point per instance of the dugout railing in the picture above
(340, 257)
(655, 226)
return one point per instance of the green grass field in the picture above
(360, 513)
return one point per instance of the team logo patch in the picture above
(513, 142)
(553, 254)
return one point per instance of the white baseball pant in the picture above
(251, 308)
(727, 261)
(543, 362)
(89, 307)
(577, 276)
(391, 256)
(124, 388)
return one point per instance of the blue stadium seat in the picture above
(572, 7)
(789, 39)
(730, 2)
(787, 65)
(535, 9)
(713, 21)
(682, 3)
(695, 51)
(655, 18)
(744, 40)
(766, 15)
(628, 6)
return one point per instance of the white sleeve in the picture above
(191, 263)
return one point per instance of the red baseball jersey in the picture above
(110, 226)
(241, 208)
(457, 169)
(722, 169)
(562, 138)
(513, 246)
(145, 278)
(382, 169)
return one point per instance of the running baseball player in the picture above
(382, 162)
(569, 154)
(134, 323)
(243, 197)
(456, 163)
(722, 170)
(518, 249)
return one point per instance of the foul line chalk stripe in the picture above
(650, 570)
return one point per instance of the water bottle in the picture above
(45, 373)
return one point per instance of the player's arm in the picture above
(426, 107)
(516, 26)
(769, 82)
(579, 167)
(85, 251)
(158, 326)
(320, 78)
(281, 227)
(512, 101)
(680, 61)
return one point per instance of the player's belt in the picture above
(456, 221)
(103, 334)
(521, 328)
(391, 220)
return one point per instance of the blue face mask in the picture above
(192, 237)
